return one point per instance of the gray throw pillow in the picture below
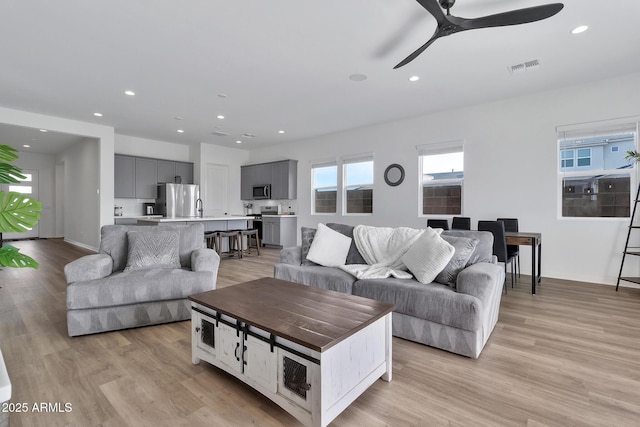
(307, 234)
(464, 247)
(153, 249)
(354, 256)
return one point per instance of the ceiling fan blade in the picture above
(418, 51)
(433, 8)
(514, 17)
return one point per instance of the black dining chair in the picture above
(499, 245)
(511, 224)
(438, 223)
(461, 223)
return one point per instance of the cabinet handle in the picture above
(244, 351)
(235, 352)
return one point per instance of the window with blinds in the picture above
(441, 178)
(595, 179)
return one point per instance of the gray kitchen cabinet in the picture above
(136, 177)
(124, 171)
(281, 175)
(185, 171)
(146, 178)
(166, 171)
(279, 231)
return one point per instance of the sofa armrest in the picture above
(480, 280)
(89, 267)
(205, 259)
(291, 255)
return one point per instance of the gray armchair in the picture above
(137, 279)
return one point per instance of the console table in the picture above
(535, 241)
(309, 350)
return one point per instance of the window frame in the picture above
(433, 149)
(318, 165)
(350, 160)
(585, 130)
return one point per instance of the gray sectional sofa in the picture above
(114, 289)
(458, 318)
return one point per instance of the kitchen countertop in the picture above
(137, 216)
(197, 218)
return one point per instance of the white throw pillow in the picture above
(428, 256)
(329, 248)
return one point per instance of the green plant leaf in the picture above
(8, 154)
(10, 174)
(18, 212)
(10, 256)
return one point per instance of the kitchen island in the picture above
(211, 223)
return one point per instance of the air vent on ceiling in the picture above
(534, 64)
(248, 135)
(219, 133)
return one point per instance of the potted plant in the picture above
(18, 212)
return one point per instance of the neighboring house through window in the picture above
(441, 178)
(324, 182)
(358, 185)
(595, 180)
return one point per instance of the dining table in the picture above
(534, 240)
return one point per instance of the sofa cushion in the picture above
(152, 249)
(433, 301)
(136, 286)
(114, 241)
(307, 234)
(329, 247)
(354, 256)
(483, 251)
(428, 256)
(464, 247)
(330, 278)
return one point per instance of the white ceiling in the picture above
(285, 64)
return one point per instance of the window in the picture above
(24, 186)
(441, 178)
(324, 181)
(358, 185)
(594, 178)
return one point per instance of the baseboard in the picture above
(82, 245)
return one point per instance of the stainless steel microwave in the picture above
(262, 192)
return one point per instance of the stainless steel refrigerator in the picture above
(177, 200)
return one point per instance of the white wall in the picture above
(81, 193)
(510, 170)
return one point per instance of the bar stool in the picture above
(211, 237)
(233, 240)
(252, 237)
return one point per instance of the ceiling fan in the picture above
(449, 24)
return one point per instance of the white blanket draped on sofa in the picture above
(382, 248)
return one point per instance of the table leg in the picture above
(539, 262)
(533, 266)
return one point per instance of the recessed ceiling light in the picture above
(220, 117)
(129, 92)
(580, 29)
(97, 114)
(238, 142)
(43, 130)
(180, 131)
(26, 146)
(414, 78)
(358, 77)
(280, 131)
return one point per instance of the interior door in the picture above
(27, 186)
(216, 199)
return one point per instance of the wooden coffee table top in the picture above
(314, 318)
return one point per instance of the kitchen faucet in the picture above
(199, 207)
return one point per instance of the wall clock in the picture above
(394, 174)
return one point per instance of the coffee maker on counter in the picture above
(148, 208)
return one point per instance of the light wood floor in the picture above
(569, 356)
